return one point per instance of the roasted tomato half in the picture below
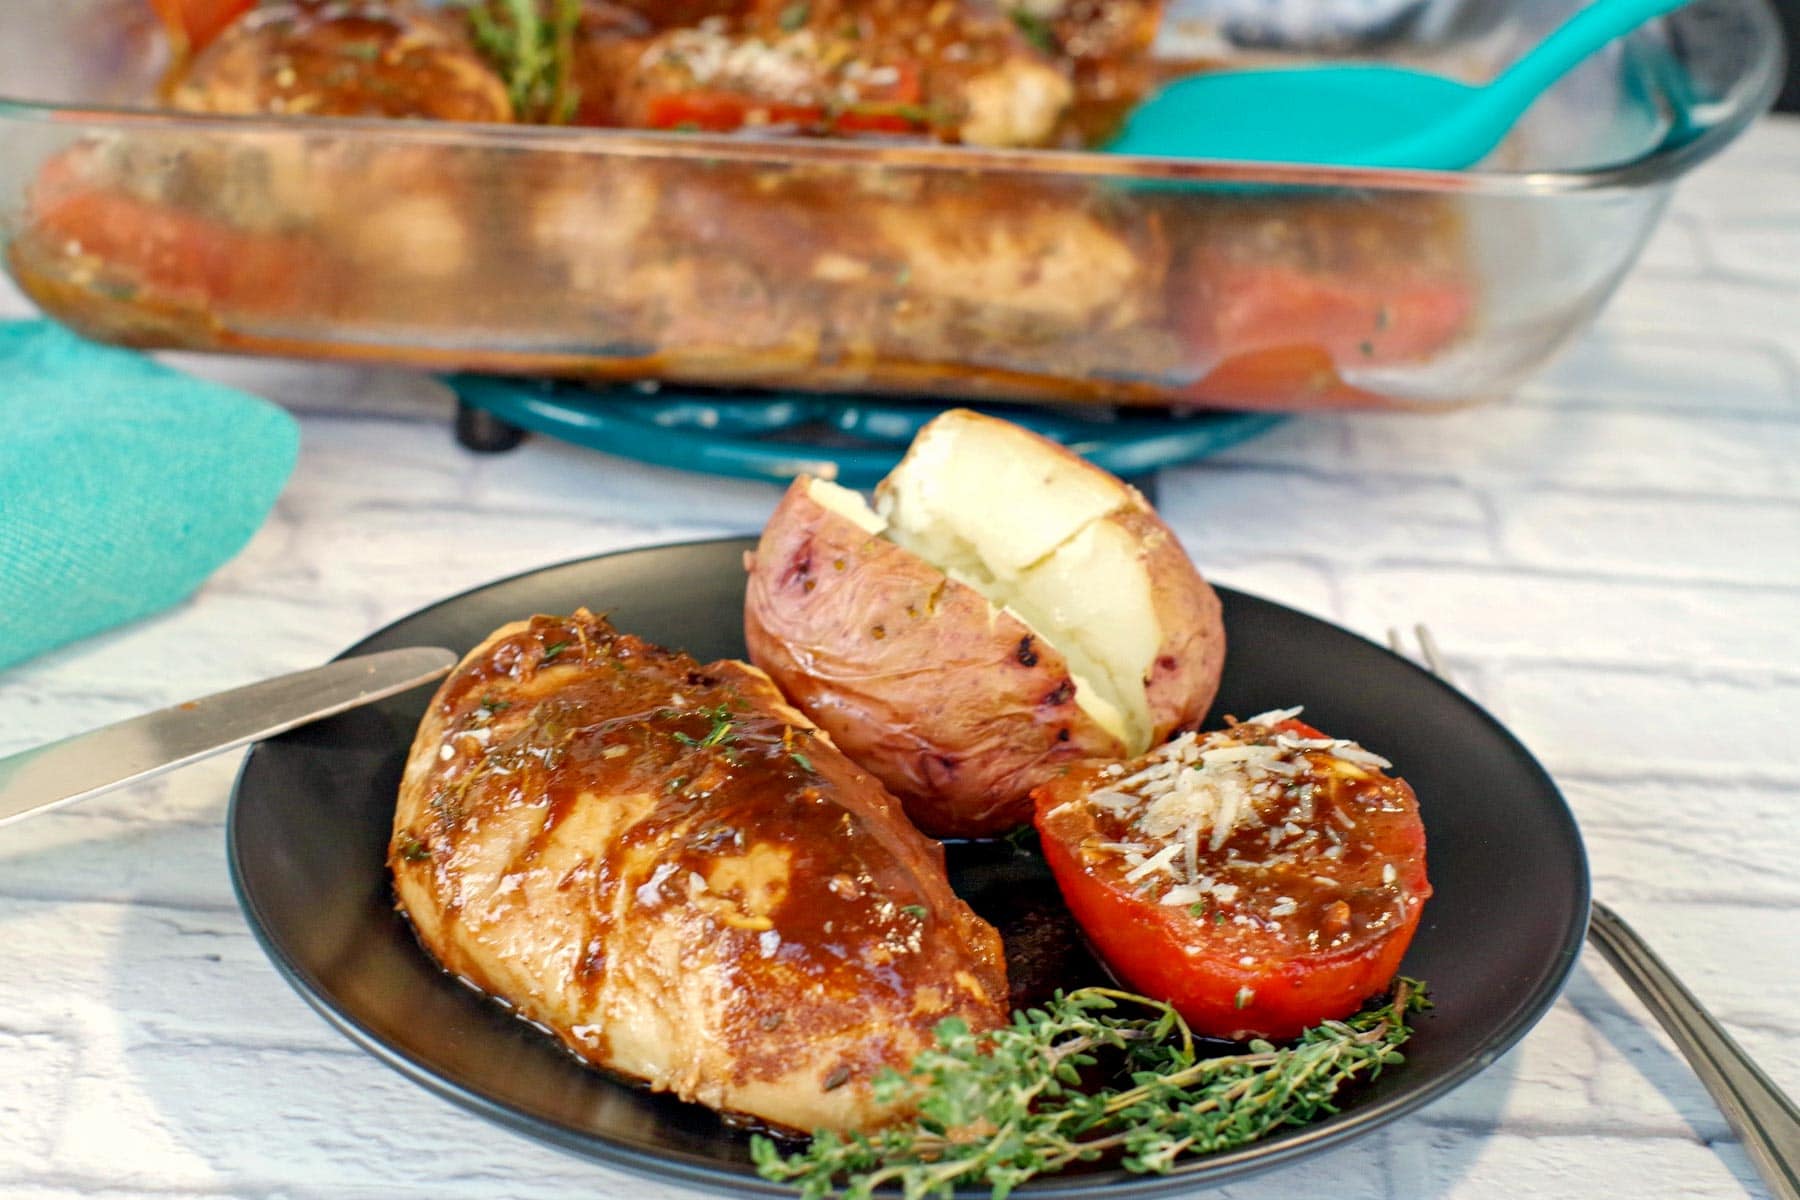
(194, 23)
(1261, 879)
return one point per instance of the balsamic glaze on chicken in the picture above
(673, 871)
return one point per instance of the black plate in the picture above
(309, 823)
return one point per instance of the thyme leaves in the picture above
(1001, 1108)
(534, 51)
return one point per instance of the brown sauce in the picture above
(793, 871)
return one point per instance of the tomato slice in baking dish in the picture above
(193, 24)
(1261, 879)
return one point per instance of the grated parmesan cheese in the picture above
(785, 68)
(1185, 801)
(1157, 862)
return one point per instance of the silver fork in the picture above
(1766, 1121)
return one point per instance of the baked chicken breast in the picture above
(671, 870)
(345, 58)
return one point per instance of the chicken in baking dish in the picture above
(688, 260)
(954, 70)
(356, 59)
(669, 868)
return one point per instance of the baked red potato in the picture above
(1261, 879)
(1006, 610)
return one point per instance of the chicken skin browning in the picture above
(673, 871)
(345, 58)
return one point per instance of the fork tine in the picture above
(1434, 658)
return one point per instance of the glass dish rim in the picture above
(1663, 163)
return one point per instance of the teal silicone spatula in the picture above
(1367, 115)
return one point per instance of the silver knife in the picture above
(90, 763)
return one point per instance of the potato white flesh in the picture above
(1056, 588)
(847, 504)
(980, 500)
(1091, 598)
(981, 495)
(1005, 610)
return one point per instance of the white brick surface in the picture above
(1612, 560)
(1650, 533)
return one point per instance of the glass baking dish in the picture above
(943, 271)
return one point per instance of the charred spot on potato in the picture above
(799, 566)
(837, 1079)
(1062, 735)
(1025, 654)
(1062, 693)
(931, 601)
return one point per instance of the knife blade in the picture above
(102, 759)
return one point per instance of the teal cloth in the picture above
(123, 484)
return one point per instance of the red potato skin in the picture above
(956, 705)
(958, 711)
(1193, 964)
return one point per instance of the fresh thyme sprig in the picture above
(1036, 30)
(533, 54)
(1001, 1108)
(721, 733)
